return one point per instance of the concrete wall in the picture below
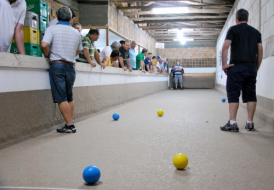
(261, 17)
(26, 103)
(94, 15)
(190, 56)
(127, 28)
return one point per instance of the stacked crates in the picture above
(36, 23)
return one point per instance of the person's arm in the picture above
(128, 66)
(87, 56)
(225, 48)
(105, 61)
(121, 61)
(78, 52)
(45, 49)
(97, 58)
(260, 55)
(19, 38)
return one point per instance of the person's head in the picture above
(160, 60)
(154, 57)
(242, 16)
(149, 55)
(158, 57)
(144, 51)
(94, 34)
(78, 27)
(64, 14)
(133, 45)
(166, 60)
(115, 45)
(122, 42)
(177, 63)
(126, 45)
(115, 55)
(98, 50)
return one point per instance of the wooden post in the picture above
(107, 36)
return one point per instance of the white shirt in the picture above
(160, 65)
(64, 41)
(53, 22)
(19, 11)
(105, 52)
(10, 15)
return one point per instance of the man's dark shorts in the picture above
(62, 77)
(241, 77)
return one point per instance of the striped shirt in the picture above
(64, 42)
(88, 44)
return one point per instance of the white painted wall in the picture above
(25, 73)
(261, 17)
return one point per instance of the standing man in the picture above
(12, 14)
(148, 63)
(55, 20)
(245, 60)
(124, 57)
(132, 55)
(140, 59)
(62, 60)
(90, 54)
(178, 75)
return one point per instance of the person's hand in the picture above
(103, 65)
(226, 67)
(130, 69)
(144, 71)
(93, 64)
(125, 68)
(150, 71)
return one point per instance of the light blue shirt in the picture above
(132, 58)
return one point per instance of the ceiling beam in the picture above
(191, 37)
(190, 11)
(181, 20)
(174, 27)
(182, 1)
(178, 17)
(191, 6)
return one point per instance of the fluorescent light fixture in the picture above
(183, 40)
(170, 10)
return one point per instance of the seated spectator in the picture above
(111, 61)
(108, 49)
(148, 63)
(90, 54)
(140, 58)
(160, 66)
(154, 63)
(178, 72)
(78, 27)
(124, 56)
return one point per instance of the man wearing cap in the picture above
(62, 60)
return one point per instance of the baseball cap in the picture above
(158, 57)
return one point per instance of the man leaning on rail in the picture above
(61, 52)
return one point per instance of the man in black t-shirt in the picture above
(245, 60)
(124, 57)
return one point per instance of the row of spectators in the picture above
(119, 54)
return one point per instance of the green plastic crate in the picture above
(31, 49)
(39, 7)
(43, 23)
